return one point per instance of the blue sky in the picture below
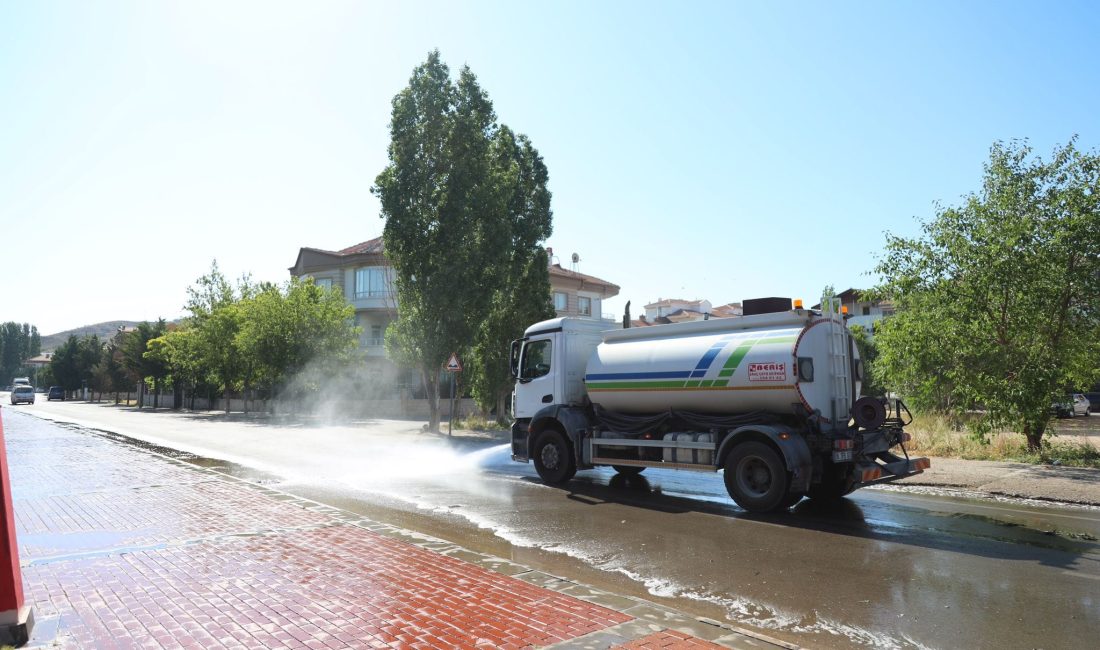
(722, 150)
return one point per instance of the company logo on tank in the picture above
(773, 371)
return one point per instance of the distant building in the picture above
(677, 310)
(577, 294)
(41, 360)
(364, 275)
(862, 310)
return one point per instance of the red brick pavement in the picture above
(125, 549)
(334, 587)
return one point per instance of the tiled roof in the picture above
(369, 246)
(556, 269)
(668, 302)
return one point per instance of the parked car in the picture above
(1071, 406)
(22, 394)
(1094, 402)
(56, 392)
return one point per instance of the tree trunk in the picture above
(1034, 437)
(502, 407)
(156, 393)
(431, 393)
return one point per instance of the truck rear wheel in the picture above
(553, 458)
(756, 477)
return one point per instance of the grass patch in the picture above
(478, 422)
(947, 436)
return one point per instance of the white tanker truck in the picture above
(772, 398)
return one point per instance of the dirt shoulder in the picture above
(1079, 485)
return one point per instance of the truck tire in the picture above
(628, 470)
(553, 458)
(833, 486)
(756, 477)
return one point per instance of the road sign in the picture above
(453, 364)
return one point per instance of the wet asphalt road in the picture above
(883, 569)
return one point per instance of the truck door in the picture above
(535, 384)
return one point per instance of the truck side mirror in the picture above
(513, 359)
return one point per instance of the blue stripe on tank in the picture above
(676, 374)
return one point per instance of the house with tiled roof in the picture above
(862, 309)
(366, 278)
(676, 310)
(577, 294)
(362, 273)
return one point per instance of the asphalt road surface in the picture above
(883, 569)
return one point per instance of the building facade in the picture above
(366, 278)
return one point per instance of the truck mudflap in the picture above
(519, 441)
(888, 467)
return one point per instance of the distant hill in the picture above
(106, 330)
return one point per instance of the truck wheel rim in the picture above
(550, 456)
(754, 477)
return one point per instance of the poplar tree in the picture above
(449, 197)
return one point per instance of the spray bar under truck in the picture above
(772, 398)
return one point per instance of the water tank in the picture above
(728, 366)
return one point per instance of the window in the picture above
(584, 306)
(536, 359)
(324, 283)
(370, 282)
(866, 311)
(561, 301)
(375, 335)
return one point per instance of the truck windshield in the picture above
(536, 359)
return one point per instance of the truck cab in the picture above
(548, 364)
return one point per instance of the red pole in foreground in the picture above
(16, 619)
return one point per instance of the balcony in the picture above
(374, 300)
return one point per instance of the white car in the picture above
(1081, 404)
(22, 394)
(1072, 406)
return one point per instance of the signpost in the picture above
(453, 366)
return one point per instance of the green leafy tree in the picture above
(287, 331)
(18, 342)
(445, 196)
(997, 300)
(64, 364)
(868, 354)
(215, 316)
(133, 348)
(521, 294)
(180, 352)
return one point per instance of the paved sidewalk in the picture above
(123, 548)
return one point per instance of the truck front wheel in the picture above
(553, 459)
(756, 477)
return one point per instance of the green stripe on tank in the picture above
(777, 339)
(738, 355)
